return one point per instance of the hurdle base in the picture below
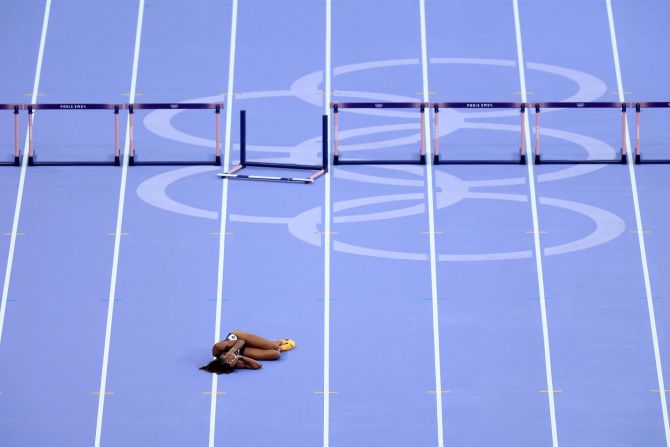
(620, 161)
(652, 162)
(233, 172)
(32, 161)
(132, 161)
(16, 162)
(438, 161)
(421, 161)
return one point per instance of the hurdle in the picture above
(478, 105)
(244, 162)
(638, 156)
(17, 151)
(337, 160)
(132, 156)
(32, 158)
(580, 105)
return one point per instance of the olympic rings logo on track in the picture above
(449, 189)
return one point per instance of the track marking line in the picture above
(107, 393)
(11, 233)
(223, 213)
(118, 233)
(326, 392)
(640, 231)
(431, 229)
(22, 175)
(440, 392)
(218, 393)
(536, 233)
(327, 232)
(548, 391)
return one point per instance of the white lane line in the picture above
(640, 232)
(326, 240)
(536, 234)
(118, 232)
(22, 175)
(223, 214)
(431, 229)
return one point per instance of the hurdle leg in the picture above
(131, 136)
(17, 150)
(436, 152)
(336, 136)
(638, 158)
(324, 142)
(537, 135)
(422, 144)
(117, 144)
(31, 148)
(217, 159)
(522, 156)
(243, 137)
(624, 140)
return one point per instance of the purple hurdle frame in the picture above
(638, 155)
(580, 105)
(17, 151)
(378, 105)
(478, 105)
(319, 169)
(132, 159)
(32, 159)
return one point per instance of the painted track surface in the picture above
(382, 374)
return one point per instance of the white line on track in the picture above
(326, 240)
(431, 229)
(22, 175)
(536, 233)
(117, 236)
(224, 214)
(640, 233)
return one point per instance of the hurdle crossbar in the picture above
(421, 160)
(32, 158)
(17, 151)
(132, 156)
(478, 105)
(638, 156)
(319, 170)
(580, 105)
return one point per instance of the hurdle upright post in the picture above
(17, 150)
(624, 140)
(638, 159)
(422, 144)
(31, 148)
(523, 134)
(243, 137)
(336, 135)
(131, 136)
(324, 142)
(117, 145)
(217, 112)
(436, 145)
(537, 134)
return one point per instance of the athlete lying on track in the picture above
(242, 350)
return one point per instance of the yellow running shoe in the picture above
(286, 344)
